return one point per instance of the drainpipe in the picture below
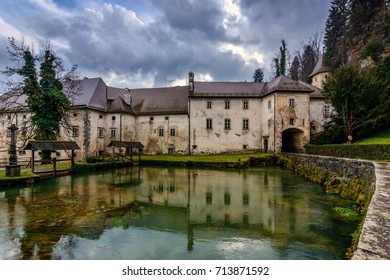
(274, 123)
(120, 127)
(189, 126)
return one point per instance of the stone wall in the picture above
(348, 168)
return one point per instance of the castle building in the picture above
(200, 118)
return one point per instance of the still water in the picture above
(162, 213)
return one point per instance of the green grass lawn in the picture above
(380, 138)
(22, 175)
(204, 158)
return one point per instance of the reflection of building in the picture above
(201, 118)
(180, 200)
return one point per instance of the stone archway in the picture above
(293, 140)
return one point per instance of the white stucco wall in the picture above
(221, 140)
(147, 132)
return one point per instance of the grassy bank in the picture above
(375, 147)
(210, 161)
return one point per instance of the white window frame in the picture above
(75, 131)
(291, 102)
(209, 123)
(245, 124)
(227, 124)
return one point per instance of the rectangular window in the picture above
(113, 118)
(227, 104)
(113, 133)
(101, 132)
(209, 198)
(75, 131)
(326, 110)
(161, 132)
(269, 122)
(245, 199)
(173, 131)
(227, 198)
(8, 132)
(171, 151)
(100, 116)
(269, 104)
(209, 123)
(227, 124)
(245, 124)
(245, 105)
(291, 121)
(208, 104)
(291, 102)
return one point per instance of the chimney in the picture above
(191, 81)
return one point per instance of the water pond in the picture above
(164, 213)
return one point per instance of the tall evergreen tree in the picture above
(47, 100)
(258, 76)
(283, 50)
(335, 38)
(309, 60)
(55, 104)
(295, 69)
(279, 62)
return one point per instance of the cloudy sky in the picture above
(150, 43)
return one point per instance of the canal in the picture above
(165, 213)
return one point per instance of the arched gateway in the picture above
(293, 140)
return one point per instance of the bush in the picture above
(370, 152)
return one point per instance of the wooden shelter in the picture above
(129, 146)
(49, 145)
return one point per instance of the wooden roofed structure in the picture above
(50, 145)
(129, 146)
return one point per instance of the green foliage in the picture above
(51, 107)
(360, 96)
(283, 50)
(346, 213)
(370, 152)
(258, 76)
(373, 49)
(332, 134)
(295, 69)
(381, 138)
(335, 37)
(309, 60)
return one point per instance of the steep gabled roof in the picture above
(284, 84)
(320, 67)
(92, 93)
(169, 100)
(227, 89)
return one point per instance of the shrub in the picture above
(370, 152)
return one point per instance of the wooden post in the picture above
(55, 166)
(72, 158)
(32, 161)
(139, 155)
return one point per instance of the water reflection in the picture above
(160, 213)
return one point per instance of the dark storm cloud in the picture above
(216, 38)
(294, 21)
